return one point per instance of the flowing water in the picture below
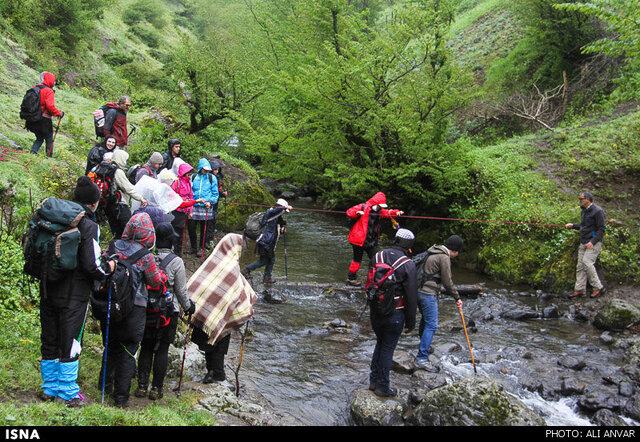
(308, 374)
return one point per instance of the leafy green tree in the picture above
(622, 17)
(358, 96)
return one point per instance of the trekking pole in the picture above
(204, 235)
(106, 344)
(244, 335)
(184, 354)
(54, 137)
(468, 343)
(286, 276)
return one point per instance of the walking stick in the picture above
(106, 344)
(244, 335)
(286, 276)
(184, 354)
(54, 138)
(204, 235)
(468, 343)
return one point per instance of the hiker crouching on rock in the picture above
(388, 328)
(273, 224)
(125, 336)
(154, 350)
(64, 304)
(366, 229)
(437, 271)
(591, 226)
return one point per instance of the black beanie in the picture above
(165, 236)
(86, 191)
(454, 242)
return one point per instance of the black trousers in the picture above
(213, 354)
(179, 224)
(61, 321)
(154, 352)
(124, 339)
(206, 232)
(118, 216)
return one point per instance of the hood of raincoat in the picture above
(204, 164)
(378, 199)
(140, 229)
(120, 158)
(48, 79)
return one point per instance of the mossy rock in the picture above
(617, 314)
(473, 401)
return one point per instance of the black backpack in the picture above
(160, 301)
(419, 261)
(381, 285)
(120, 287)
(31, 109)
(50, 244)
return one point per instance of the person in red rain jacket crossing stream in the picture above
(365, 232)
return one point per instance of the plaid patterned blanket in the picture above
(224, 298)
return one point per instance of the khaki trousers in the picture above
(586, 268)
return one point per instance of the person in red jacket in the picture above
(43, 128)
(115, 121)
(366, 229)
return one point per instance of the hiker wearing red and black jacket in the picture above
(64, 305)
(125, 338)
(115, 121)
(365, 232)
(388, 328)
(43, 128)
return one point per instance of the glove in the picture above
(192, 308)
(61, 114)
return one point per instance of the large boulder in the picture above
(367, 409)
(472, 401)
(617, 314)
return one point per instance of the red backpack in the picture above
(381, 285)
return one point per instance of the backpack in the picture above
(120, 286)
(381, 285)
(253, 226)
(160, 301)
(30, 108)
(419, 261)
(103, 176)
(133, 171)
(50, 244)
(98, 120)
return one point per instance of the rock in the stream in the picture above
(617, 314)
(273, 297)
(367, 409)
(472, 401)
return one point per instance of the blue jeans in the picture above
(388, 330)
(428, 305)
(263, 261)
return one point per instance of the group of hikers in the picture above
(396, 285)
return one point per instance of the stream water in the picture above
(309, 375)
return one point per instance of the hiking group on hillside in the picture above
(138, 285)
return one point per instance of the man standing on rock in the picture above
(437, 272)
(388, 328)
(591, 226)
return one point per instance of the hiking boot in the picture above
(353, 282)
(121, 403)
(155, 393)
(386, 392)
(598, 292)
(214, 376)
(268, 280)
(46, 397)
(576, 294)
(141, 391)
(426, 366)
(76, 402)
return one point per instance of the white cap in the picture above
(283, 203)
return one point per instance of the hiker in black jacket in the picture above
(96, 154)
(64, 305)
(389, 328)
(591, 226)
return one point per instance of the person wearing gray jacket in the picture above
(154, 350)
(437, 273)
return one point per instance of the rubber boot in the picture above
(69, 390)
(49, 372)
